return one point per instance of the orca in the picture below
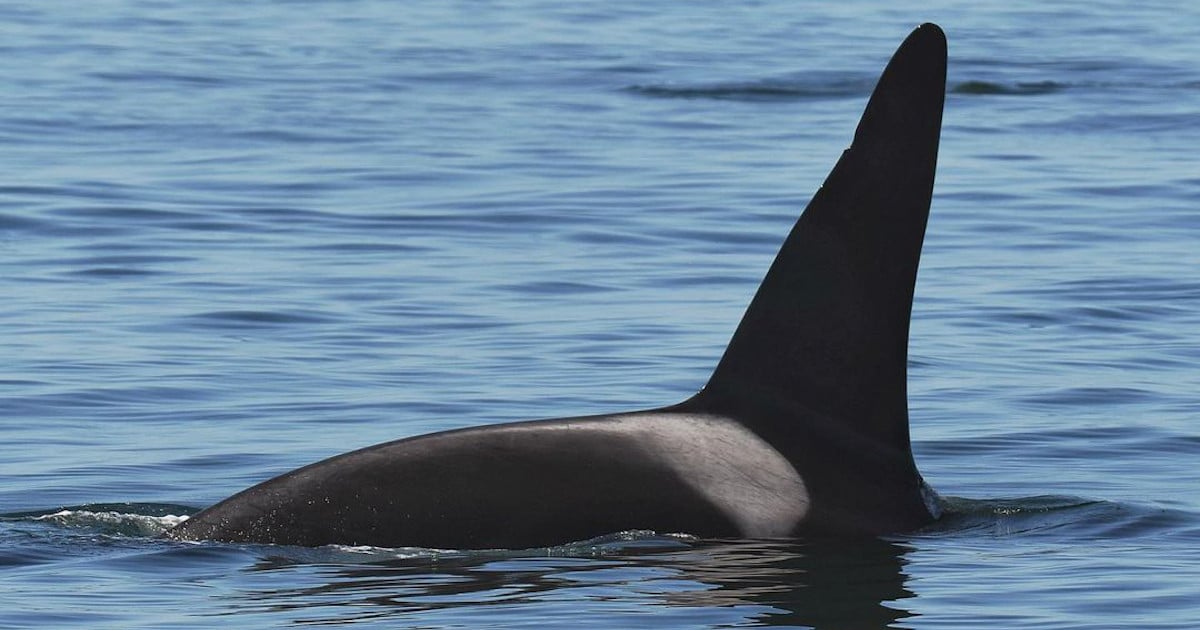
(802, 429)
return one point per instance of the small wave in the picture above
(1085, 396)
(979, 88)
(113, 272)
(128, 520)
(257, 319)
(156, 78)
(1008, 516)
(12, 222)
(115, 523)
(757, 91)
(640, 540)
(550, 287)
(1031, 516)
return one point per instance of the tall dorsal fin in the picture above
(828, 329)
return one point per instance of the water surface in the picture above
(239, 237)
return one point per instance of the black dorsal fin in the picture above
(827, 331)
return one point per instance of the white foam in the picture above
(113, 522)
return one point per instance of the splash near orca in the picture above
(801, 430)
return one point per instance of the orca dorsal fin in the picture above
(827, 331)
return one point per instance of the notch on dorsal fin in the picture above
(827, 331)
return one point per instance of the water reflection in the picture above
(858, 584)
(825, 584)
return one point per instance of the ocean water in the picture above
(239, 237)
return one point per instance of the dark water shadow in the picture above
(813, 584)
(860, 583)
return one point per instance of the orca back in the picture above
(802, 429)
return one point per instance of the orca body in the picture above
(801, 430)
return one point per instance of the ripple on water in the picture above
(250, 319)
(980, 88)
(1056, 516)
(782, 89)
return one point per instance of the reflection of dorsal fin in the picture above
(827, 331)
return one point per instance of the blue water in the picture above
(239, 237)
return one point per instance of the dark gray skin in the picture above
(802, 429)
